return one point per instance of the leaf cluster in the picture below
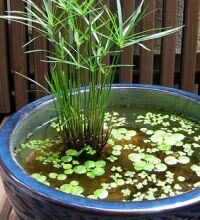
(81, 36)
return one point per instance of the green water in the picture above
(149, 155)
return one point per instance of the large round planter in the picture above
(33, 200)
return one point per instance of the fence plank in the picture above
(189, 50)
(126, 73)
(19, 58)
(170, 10)
(147, 57)
(4, 71)
(40, 68)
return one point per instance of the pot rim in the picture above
(9, 164)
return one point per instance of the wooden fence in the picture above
(166, 68)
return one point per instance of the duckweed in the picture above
(144, 159)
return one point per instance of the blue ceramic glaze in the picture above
(33, 200)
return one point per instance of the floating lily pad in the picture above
(117, 147)
(75, 162)
(159, 133)
(90, 164)
(72, 188)
(149, 132)
(195, 168)
(169, 139)
(90, 175)
(143, 130)
(178, 136)
(148, 167)
(67, 166)
(98, 171)
(53, 175)
(114, 132)
(66, 188)
(72, 152)
(38, 177)
(131, 133)
(183, 159)
(127, 138)
(156, 138)
(101, 193)
(150, 158)
(80, 169)
(113, 185)
(196, 184)
(118, 136)
(112, 158)
(140, 165)
(110, 141)
(160, 167)
(122, 130)
(116, 152)
(170, 160)
(181, 178)
(100, 163)
(74, 183)
(120, 182)
(76, 190)
(134, 157)
(92, 197)
(66, 159)
(61, 177)
(68, 172)
(164, 147)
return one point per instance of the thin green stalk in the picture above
(81, 35)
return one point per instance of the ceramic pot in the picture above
(33, 200)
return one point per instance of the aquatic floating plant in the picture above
(135, 172)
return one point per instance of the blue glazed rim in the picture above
(11, 167)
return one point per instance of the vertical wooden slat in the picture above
(126, 73)
(147, 57)
(170, 10)
(4, 71)
(189, 50)
(40, 68)
(19, 58)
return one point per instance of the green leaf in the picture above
(134, 157)
(67, 166)
(120, 19)
(66, 159)
(80, 169)
(170, 160)
(160, 167)
(98, 171)
(90, 164)
(117, 147)
(101, 193)
(183, 159)
(61, 177)
(72, 152)
(53, 175)
(100, 163)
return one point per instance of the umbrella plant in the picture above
(81, 36)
